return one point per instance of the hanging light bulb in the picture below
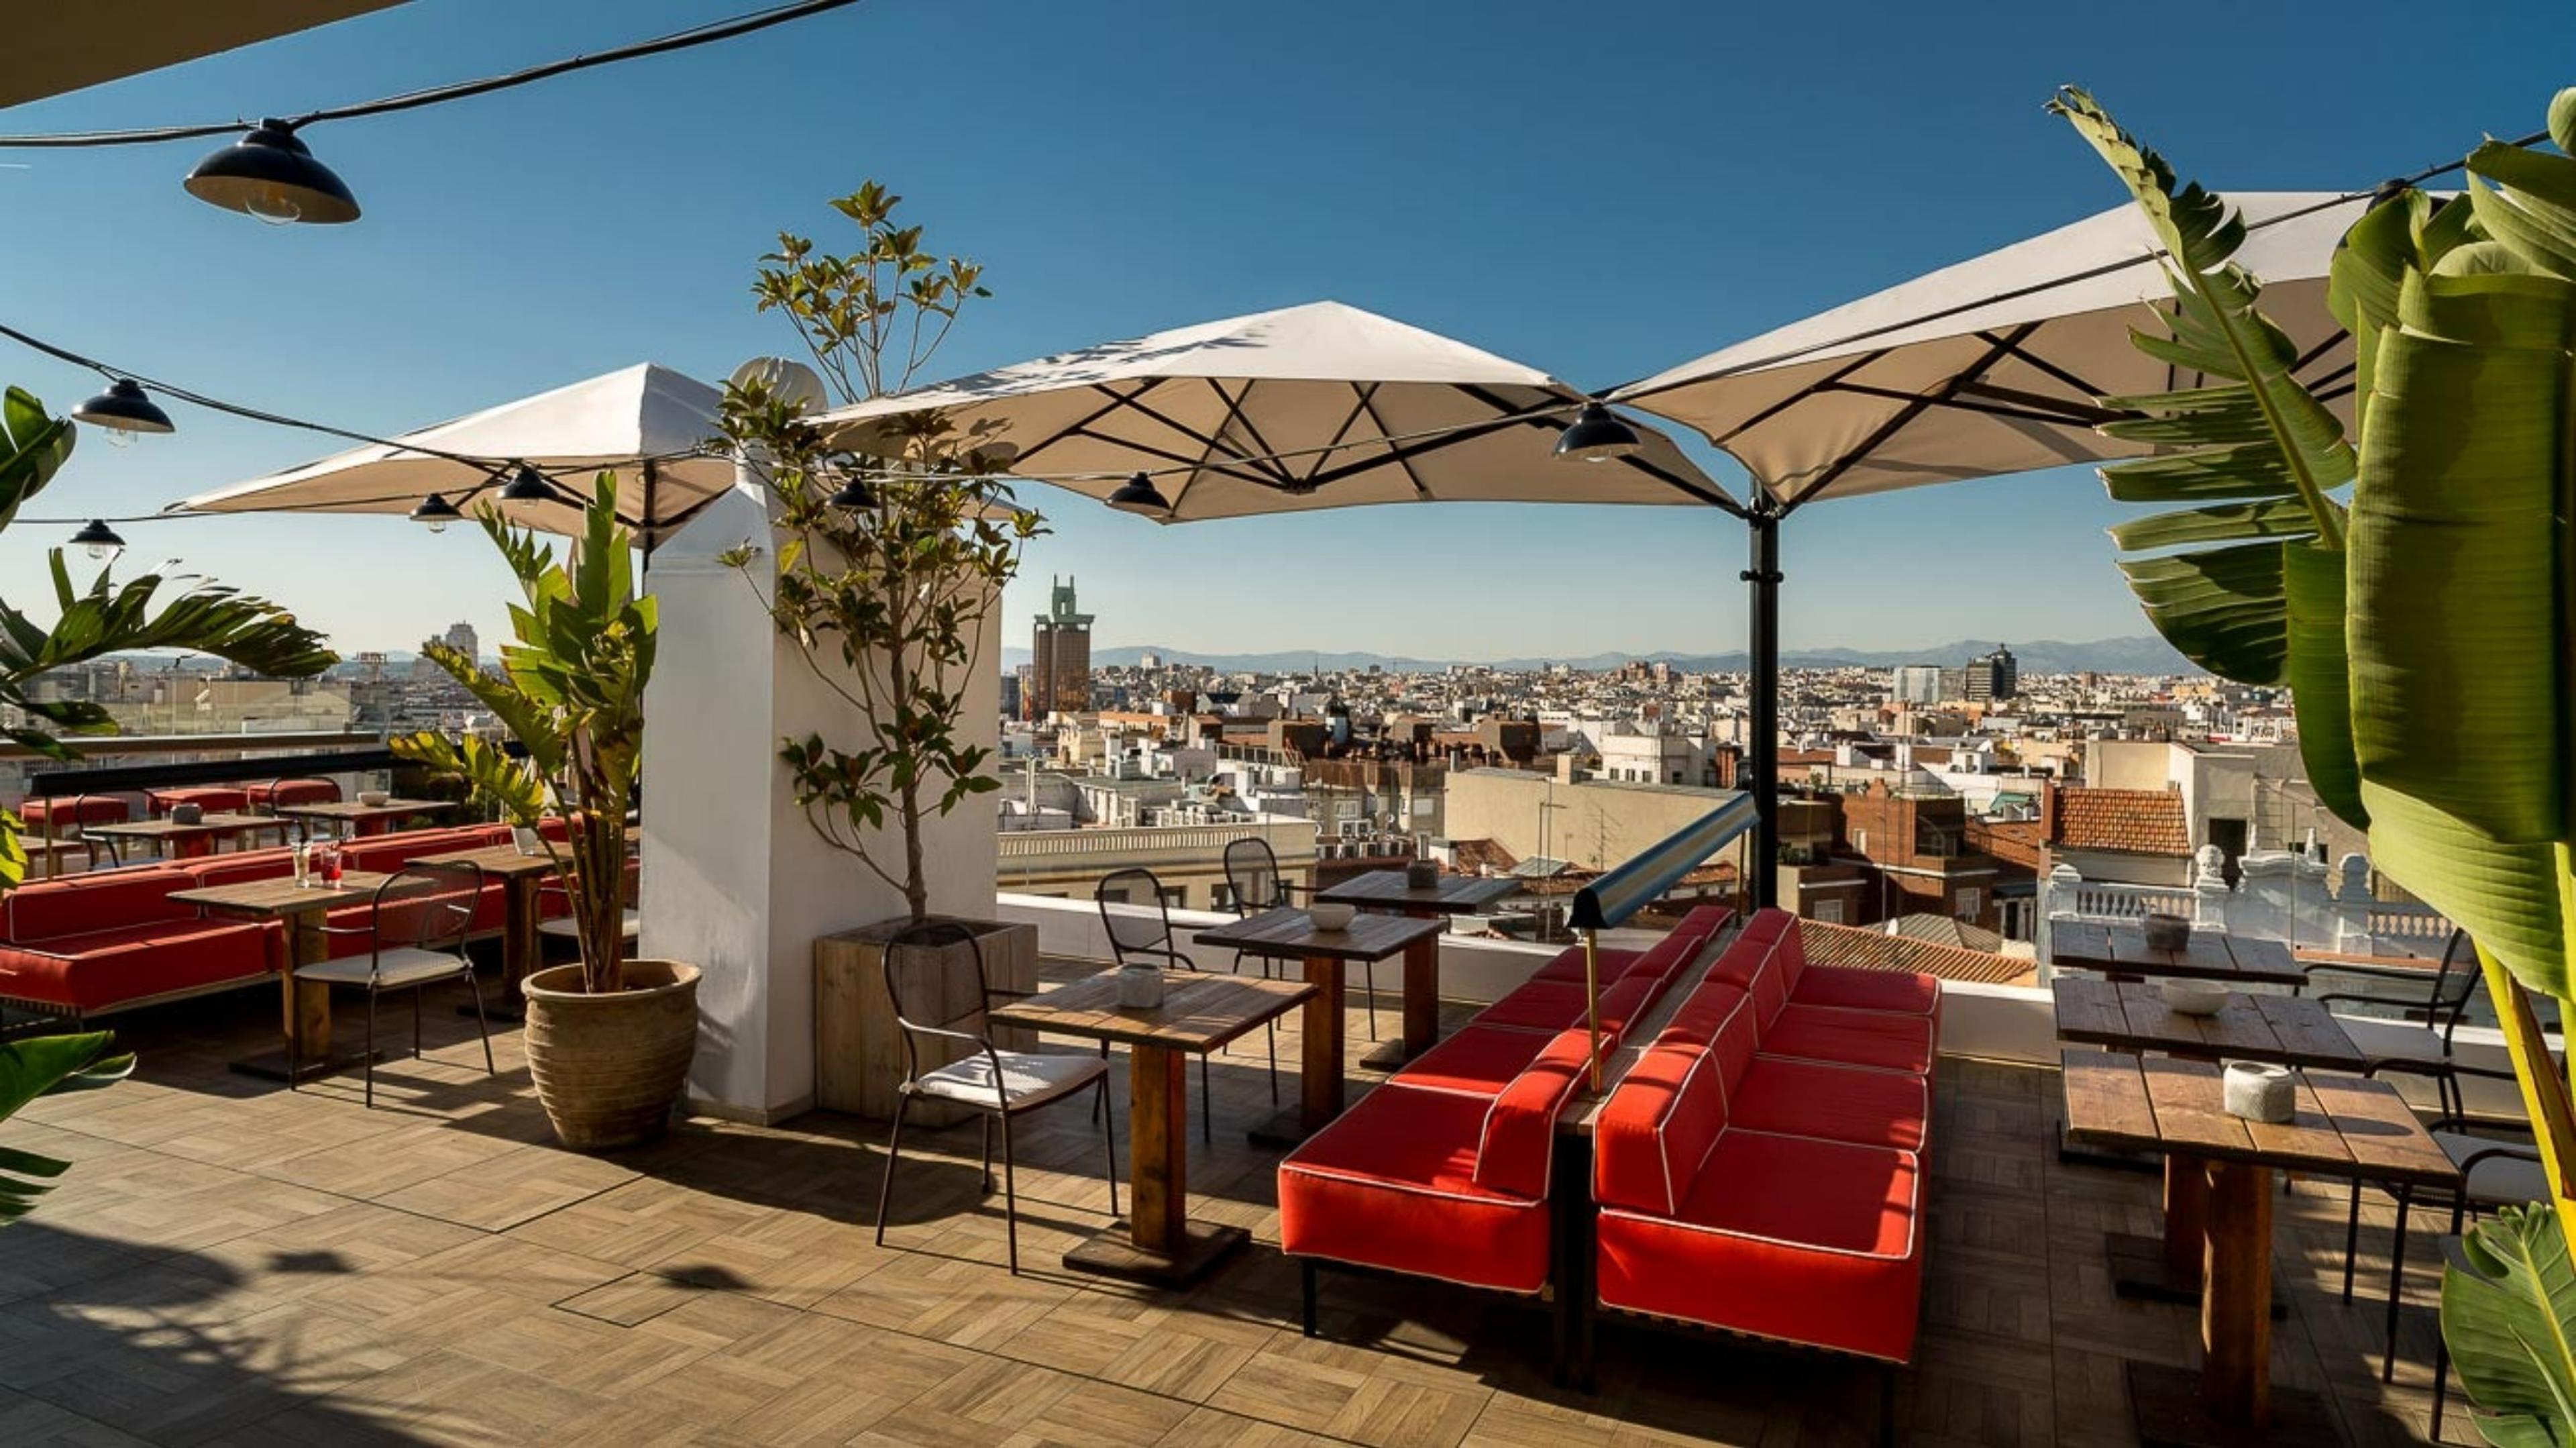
(1139, 495)
(269, 174)
(527, 485)
(98, 540)
(1597, 435)
(125, 410)
(435, 513)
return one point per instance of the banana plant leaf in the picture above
(34, 445)
(2509, 1318)
(2249, 578)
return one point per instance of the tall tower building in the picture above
(1059, 657)
(462, 638)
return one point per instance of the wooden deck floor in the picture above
(232, 1263)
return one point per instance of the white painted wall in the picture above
(737, 882)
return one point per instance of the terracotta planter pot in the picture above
(608, 1067)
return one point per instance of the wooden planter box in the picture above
(858, 1050)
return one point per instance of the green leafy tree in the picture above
(571, 692)
(89, 623)
(889, 600)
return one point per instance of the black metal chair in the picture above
(2429, 1006)
(1148, 937)
(415, 939)
(1253, 877)
(995, 1083)
(2493, 1173)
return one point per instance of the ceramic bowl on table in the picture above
(373, 798)
(1331, 917)
(2193, 997)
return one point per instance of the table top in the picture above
(350, 809)
(168, 829)
(2133, 1016)
(1291, 932)
(1199, 1013)
(2346, 1126)
(495, 860)
(1454, 895)
(2122, 950)
(282, 896)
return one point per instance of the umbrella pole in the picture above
(1762, 521)
(1592, 1001)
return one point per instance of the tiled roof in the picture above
(1942, 930)
(1482, 857)
(1850, 945)
(2128, 821)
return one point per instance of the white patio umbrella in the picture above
(1317, 406)
(1993, 365)
(647, 424)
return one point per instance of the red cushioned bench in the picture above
(1766, 1191)
(1445, 1171)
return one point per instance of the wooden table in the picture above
(188, 841)
(2121, 952)
(1291, 934)
(1199, 1013)
(350, 816)
(306, 1015)
(2132, 1016)
(2346, 1126)
(1453, 895)
(522, 950)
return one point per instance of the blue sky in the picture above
(1600, 190)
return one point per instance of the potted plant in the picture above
(888, 569)
(608, 1039)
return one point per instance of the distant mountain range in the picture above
(2136, 654)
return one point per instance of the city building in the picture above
(1059, 677)
(1916, 684)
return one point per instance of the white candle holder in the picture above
(2257, 1092)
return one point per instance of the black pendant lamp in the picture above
(854, 494)
(435, 513)
(1139, 495)
(527, 485)
(269, 174)
(1597, 435)
(99, 540)
(125, 410)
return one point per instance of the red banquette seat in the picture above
(1776, 1192)
(94, 943)
(213, 798)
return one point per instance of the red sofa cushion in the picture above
(1834, 1103)
(1566, 968)
(1697, 1019)
(101, 901)
(213, 798)
(1391, 1184)
(1480, 1060)
(236, 868)
(1520, 1128)
(1752, 964)
(1705, 920)
(1622, 1005)
(86, 809)
(1881, 1040)
(99, 969)
(1540, 1005)
(1851, 988)
(1804, 1241)
(1670, 957)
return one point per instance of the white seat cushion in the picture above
(563, 926)
(2498, 1180)
(1027, 1079)
(403, 965)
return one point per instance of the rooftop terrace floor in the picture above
(229, 1262)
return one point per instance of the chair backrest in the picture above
(1252, 874)
(936, 989)
(2453, 984)
(428, 907)
(1151, 930)
(269, 794)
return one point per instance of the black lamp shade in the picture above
(1597, 436)
(126, 407)
(526, 485)
(854, 495)
(436, 512)
(100, 540)
(1139, 495)
(269, 174)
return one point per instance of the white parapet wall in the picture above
(1998, 1022)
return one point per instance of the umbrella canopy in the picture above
(1319, 406)
(648, 424)
(1990, 366)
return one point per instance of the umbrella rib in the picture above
(1360, 394)
(2052, 418)
(1257, 462)
(1556, 422)
(1179, 460)
(2012, 347)
(1793, 399)
(1081, 426)
(1403, 458)
(1910, 411)
(1233, 415)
